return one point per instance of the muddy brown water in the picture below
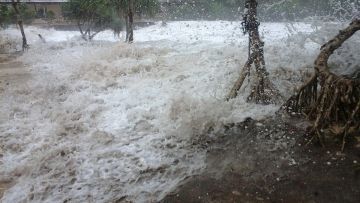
(12, 72)
(3, 187)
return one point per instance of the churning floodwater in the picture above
(106, 120)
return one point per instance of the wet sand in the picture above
(268, 162)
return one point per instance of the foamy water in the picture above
(104, 121)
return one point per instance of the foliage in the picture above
(50, 15)
(5, 16)
(269, 10)
(27, 15)
(300, 9)
(91, 16)
(146, 7)
(8, 16)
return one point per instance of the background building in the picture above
(42, 8)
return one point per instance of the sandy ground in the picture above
(250, 163)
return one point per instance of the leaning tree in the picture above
(15, 4)
(330, 101)
(263, 91)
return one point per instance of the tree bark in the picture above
(126, 17)
(20, 23)
(263, 91)
(321, 63)
(130, 37)
(335, 105)
(244, 73)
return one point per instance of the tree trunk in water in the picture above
(20, 23)
(83, 34)
(334, 108)
(126, 17)
(130, 34)
(263, 91)
(35, 8)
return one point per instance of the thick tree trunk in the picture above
(130, 35)
(263, 91)
(20, 23)
(335, 106)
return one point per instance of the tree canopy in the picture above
(8, 15)
(92, 16)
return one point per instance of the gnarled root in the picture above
(244, 73)
(330, 102)
(264, 93)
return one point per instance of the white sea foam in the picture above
(99, 121)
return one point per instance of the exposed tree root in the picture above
(330, 102)
(244, 73)
(263, 91)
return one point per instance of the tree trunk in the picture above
(130, 35)
(20, 23)
(35, 8)
(335, 106)
(83, 34)
(126, 26)
(263, 91)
